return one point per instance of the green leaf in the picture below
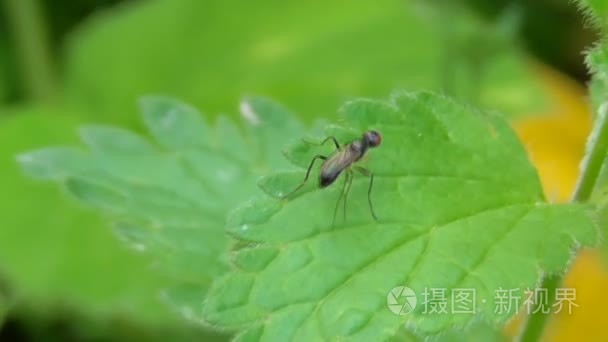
(459, 206)
(596, 10)
(597, 57)
(174, 125)
(597, 62)
(170, 196)
(207, 55)
(39, 224)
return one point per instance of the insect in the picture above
(342, 160)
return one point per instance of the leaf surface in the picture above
(459, 207)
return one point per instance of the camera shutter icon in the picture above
(401, 300)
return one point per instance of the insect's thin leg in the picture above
(333, 222)
(332, 138)
(369, 197)
(312, 163)
(350, 176)
(368, 173)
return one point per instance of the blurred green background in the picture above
(63, 275)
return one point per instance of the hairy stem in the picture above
(597, 149)
(537, 320)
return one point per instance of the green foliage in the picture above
(57, 251)
(597, 60)
(208, 56)
(171, 197)
(596, 11)
(447, 218)
(203, 53)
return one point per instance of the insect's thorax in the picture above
(357, 148)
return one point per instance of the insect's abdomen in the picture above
(332, 167)
(326, 179)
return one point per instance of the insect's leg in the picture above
(350, 176)
(332, 138)
(318, 156)
(368, 173)
(333, 222)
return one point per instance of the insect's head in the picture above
(372, 138)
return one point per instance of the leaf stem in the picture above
(597, 150)
(537, 320)
(26, 19)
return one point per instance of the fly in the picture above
(342, 160)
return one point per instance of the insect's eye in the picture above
(373, 138)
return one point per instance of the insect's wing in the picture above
(338, 162)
